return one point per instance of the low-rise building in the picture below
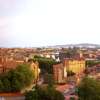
(36, 70)
(7, 64)
(75, 65)
(60, 73)
(12, 96)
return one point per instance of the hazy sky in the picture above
(49, 22)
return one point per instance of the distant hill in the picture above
(82, 45)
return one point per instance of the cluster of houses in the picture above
(76, 66)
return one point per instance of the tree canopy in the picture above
(16, 79)
(44, 94)
(45, 64)
(89, 89)
(70, 73)
(91, 63)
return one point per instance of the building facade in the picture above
(36, 70)
(8, 64)
(60, 73)
(12, 96)
(75, 65)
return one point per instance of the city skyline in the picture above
(34, 23)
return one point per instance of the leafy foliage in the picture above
(89, 89)
(44, 94)
(17, 79)
(26, 74)
(91, 63)
(1, 86)
(48, 79)
(72, 98)
(70, 73)
(45, 64)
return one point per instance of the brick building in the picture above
(8, 64)
(60, 73)
(12, 96)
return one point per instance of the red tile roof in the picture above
(11, 94)
(62, 88)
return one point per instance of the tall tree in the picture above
(44, 94)
(46, 64)
(89, 89)
(17, 79)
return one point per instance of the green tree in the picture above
(7, 85)
(72, 52)
(44, 94)
(70, 73)
(16, 85)
(48, 79)
(89, 89)
(91, 63)
(1, 86)
(46, 64)
(26, 74)
(72, 98)
(17, 79)
(31, 95)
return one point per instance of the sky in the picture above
(33, 23)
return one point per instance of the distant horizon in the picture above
(36, 23)
(49, 45)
